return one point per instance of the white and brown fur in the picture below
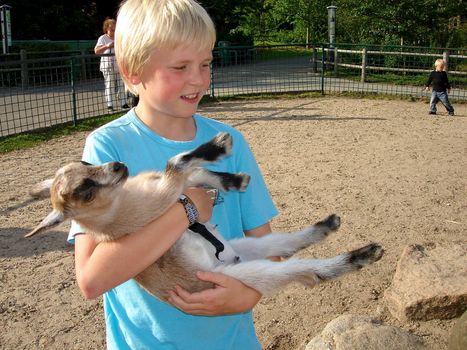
(109, 204)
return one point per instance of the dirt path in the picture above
(394, 174)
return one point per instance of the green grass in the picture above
(281, 52)
(34, 138)
(397, 79)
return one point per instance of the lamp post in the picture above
(332, 24)
(332, 31)
(6, 27)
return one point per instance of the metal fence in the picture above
(39, 90)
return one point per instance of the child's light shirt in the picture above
(135, 319)
(108, 63)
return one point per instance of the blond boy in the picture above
(440, 88)
(164, 51)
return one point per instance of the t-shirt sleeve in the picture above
(97, 150)
(257, 207)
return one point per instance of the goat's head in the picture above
(79, 190)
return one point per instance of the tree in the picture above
(59, 20)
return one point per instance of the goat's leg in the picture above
(284, 244)
(208, 152)
(201, 177)
(268, 276)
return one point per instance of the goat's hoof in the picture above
(366, 255)
(332, 222)
(224, 141)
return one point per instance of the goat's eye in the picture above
(89, 196)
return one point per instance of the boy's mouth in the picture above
(190, 97)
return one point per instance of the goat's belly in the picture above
(178, 266)
(169, 271)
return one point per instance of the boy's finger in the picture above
(213, 277)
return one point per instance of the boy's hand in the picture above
(203, 201)
(427, 88)
(229, 296)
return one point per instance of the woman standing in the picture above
(108, 66)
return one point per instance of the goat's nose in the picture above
(117, 167)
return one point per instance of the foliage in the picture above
(414, 22)
(409, 22)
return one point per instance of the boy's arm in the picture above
(229, 296)
(448, 86)
(428, 82)
(103, 266)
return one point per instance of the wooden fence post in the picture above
(24, 68)
(336, 58)
(363, 78)
(446, 60)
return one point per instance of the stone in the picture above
(350, 332)
(458, 337)
(430, 282)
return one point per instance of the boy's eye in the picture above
(179, 67)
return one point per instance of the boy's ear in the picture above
(54, 218)
(133, 79)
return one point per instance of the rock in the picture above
(458, 338)
(350, 332)
(430, 282)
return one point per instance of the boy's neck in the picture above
(169, 127)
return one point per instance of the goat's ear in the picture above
(54, 218)
(42, 189)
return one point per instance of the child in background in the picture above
(439, 80)
(164, 51)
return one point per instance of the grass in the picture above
(34, 138)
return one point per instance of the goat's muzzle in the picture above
(120, 168)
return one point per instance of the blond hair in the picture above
(144, 25)
(439, 63)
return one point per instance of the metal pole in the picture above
(73, 91)
(6, 27)
(212, 81)
(322, 69)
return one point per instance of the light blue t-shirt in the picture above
(135, 319)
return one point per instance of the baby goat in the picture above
(109, 204)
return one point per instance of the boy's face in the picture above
(174, 81)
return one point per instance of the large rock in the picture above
(430, 282)
(458, 338)
(350, 332)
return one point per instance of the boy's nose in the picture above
(197, 77)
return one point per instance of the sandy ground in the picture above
(394, 174)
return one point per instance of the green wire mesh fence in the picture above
(39, 90)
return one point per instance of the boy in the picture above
(164, 51)
(441, 88)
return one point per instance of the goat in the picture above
(109, 204)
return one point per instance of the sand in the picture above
(394, 174)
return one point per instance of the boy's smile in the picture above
(172, 84)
